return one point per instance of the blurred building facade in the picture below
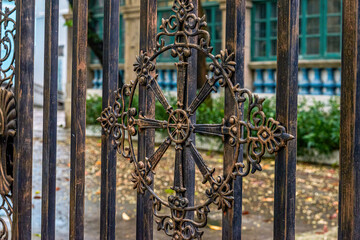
(39, 52)
(319, 41)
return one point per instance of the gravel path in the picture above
(317, 199)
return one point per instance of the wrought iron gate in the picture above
(246, 132)
(123, 121)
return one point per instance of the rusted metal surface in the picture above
(187, 173)
(122, 121)
(24, 72)
(286, 113)
(148, 26)
(108, 146)
(48, 204)
(78, 117)
(349, 188)
(235, 42)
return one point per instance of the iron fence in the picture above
(121, 121)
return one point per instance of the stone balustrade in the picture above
(314, 79)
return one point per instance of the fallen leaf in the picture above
(216, 228)
(37, 197)
(125, 216)
(98, 163)
(268, 199)
(245, 212)
(57, 188)
(266, 166)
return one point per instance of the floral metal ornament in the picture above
(250, 128)
(7, 43)
(7, 114)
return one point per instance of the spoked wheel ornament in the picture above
(251, 128)
(178, 126)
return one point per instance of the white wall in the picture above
(39, 50)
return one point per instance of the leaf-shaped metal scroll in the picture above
(8, 116)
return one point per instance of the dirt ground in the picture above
(316, 202)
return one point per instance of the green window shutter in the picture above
(98, 14)
(332, 41)
(122, 40)
(320, 29)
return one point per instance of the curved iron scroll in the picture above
(7, 113)
(252, 128)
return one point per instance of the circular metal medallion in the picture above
(178, 126)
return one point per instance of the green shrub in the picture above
(318, 122)
(319, 126)
(93, 109)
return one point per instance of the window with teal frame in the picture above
(213, 19)
(211, 9)
(97, 12)
(320, 29)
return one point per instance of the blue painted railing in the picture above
(167, 79)
(312, 81)
(98, 78)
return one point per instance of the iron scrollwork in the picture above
(7, 113)
(252, 128)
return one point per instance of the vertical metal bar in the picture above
(190, 94)
(24, 72)
(78, 117)
(108, 147)
(50, 120)
(286, 113)
(235, 43)
(349, 188)
(148, 27)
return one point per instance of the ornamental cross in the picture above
(253, 129)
